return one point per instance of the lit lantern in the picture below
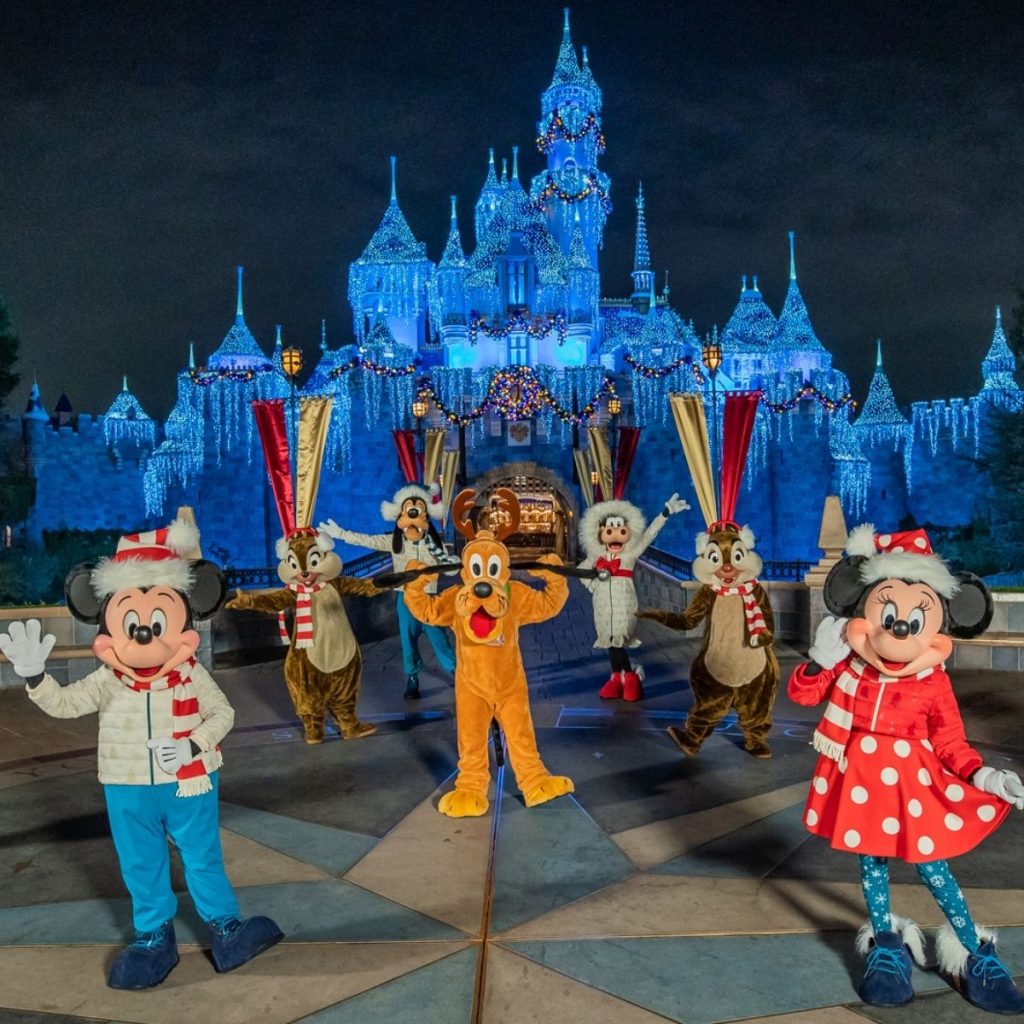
(291, 361)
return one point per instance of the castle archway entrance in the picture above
(549, 514)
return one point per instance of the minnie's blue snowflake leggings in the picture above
(874, 880)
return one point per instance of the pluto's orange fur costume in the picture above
(485, 614)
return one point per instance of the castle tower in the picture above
(997, 371)
(391, 274)
(747, 337)
(239, 350)
(451, 276)
(569, 134)
(643, 276)
(795, 346)
(488, 204)
(127, 427)
(583, 280)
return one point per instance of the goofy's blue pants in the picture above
(410, 629)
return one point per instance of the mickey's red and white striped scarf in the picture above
(833, 732)
(303, 615)
(751, 609)
(193, 779)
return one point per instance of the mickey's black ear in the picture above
(209, 588)
(396, 541)
(81, 599)
(843, 586)
(969, 610)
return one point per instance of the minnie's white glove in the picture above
(171, 754)
(830, 646)
(1003, 784)
(675, 504)
(332, 529)
(26, 648)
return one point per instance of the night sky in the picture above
(146, 148)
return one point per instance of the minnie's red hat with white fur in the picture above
(154, 558)
(907, 555)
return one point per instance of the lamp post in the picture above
(291, 363)
(614, 408)
(419, 410)
(711, 358)
(463, 476)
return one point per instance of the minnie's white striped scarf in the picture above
(193, 779)
(833, 732)
(303, 615)
(751, 609)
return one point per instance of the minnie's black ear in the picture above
(81, 599)
(209, 587)
(397, 537)
(843, 586)
(969, 610)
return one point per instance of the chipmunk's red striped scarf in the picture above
(303, 615)
(751, 609)
(193, 779)
(833, 732)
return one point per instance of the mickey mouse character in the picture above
(614, 535)
(161, 720)
(414, 538)
(896, 776)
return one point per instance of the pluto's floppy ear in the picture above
(843, 586)
(208, 590)
(969, 610)
(81, 599)
(397, 537)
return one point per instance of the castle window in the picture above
(517, 284)
(518, 350)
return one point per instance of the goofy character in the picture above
(413, 539)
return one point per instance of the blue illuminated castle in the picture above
(515, 348)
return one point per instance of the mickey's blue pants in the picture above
(141, 820)
(410, 629)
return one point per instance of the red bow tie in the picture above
(611, 566)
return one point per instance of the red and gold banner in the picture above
(737, 426)
(274, 440)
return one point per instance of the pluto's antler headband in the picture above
(737, 427)
(501, 514)
(294, 505)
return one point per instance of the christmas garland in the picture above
(592, 187)
(556, 127)
(539, 327)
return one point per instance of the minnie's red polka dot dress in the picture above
(902, 788)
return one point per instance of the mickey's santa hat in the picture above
(154, 558)
(907, 555)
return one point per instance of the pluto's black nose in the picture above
(482, 589)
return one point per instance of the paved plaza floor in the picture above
(665, 889)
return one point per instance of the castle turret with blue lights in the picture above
(513, 343)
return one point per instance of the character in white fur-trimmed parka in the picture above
(614, 535)
(414, 538)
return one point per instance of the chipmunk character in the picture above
(736, 666)
(896, 776)
(161, 720)
(614, 534)
(323, 666)
(486, 613)
(414, 538)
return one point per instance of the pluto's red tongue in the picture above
(481, 623)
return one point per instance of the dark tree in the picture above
(8, 353)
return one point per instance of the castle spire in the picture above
(238, 303)
(792, 256)
(999, 364)
(504, 172)
(880, 413)
(666, 290)
(394, 191)
(277, 336)
(515, 164)
(567, 67)
(323, 335)
(878, 354)
(643, 276)
(124, 382)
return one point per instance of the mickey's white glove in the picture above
(1003, 784)
(332, 529)
(830, 646)
(171, 754)
(675, 504)
(25, 647)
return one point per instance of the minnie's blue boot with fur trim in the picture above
(887, 981)
(981, 977)
(236, 941)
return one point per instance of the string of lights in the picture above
(535, 327)
(558, 128)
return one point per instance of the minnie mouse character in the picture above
(161, 720)
(414, 538)
(896, 776)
